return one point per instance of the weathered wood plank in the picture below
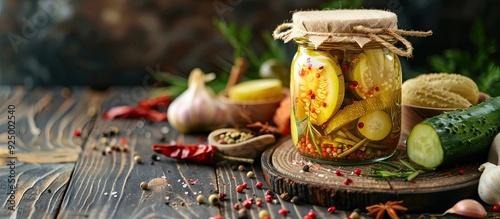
(108, 186)
(42, 138)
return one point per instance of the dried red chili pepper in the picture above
(127, 112)
(144, 109)
(199, 153)
(153, 102)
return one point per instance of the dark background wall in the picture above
(114, 42)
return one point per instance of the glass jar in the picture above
(345, 85)
(345, 102)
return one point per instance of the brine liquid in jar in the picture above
(345, 104)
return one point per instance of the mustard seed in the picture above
(144, 185)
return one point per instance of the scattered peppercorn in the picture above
(259, 185)
(357, 171)
(245, 185)
(461, 172)
(283, 212)
(242, 214)
(258, 203)
(144, 185)
(285, 196)
(263, 213)
(241, 168)
(214, 199)
(305, 168)
(331, 209)
(137, 159)
(247, 204)
(239, 188)
(338, 173)
(269, 198)
(78, 133)
(496, 207)
(222, 195)
(251, 174)
(312, 214)
(155, 157)
(236, 206)
(200, 199)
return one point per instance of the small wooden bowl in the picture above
(247, 112)
(413, 115)
(247, 149)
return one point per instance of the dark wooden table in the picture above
(51, 173)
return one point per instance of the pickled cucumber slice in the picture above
(363, 107)
(375, 126)
(255, 90)
(318, 87)
(373, 72)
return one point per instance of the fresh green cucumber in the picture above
(452, 136)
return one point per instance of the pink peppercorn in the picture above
(259, 185)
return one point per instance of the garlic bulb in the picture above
(489, 183)
(197, 108)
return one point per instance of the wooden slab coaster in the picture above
(434, 191)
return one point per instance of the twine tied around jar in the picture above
(360, 26)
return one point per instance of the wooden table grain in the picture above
(60, 175)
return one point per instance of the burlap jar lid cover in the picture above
(348, 26)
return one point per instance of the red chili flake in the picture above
(236, 206)
(309, 92)
(247, 204)
(357, 171)
(345, 67)
(250, 199)
(258, 203)
(312, 214)
(351, 87)
(377, 89)
(302, 72)
(239, 188)
(313, 96)
(338, 173)
(349, 180)
(77, 133)
(318, 75)
(283, 212)
(321, 67)
(200, 153)
(307, 217)
(309, 66)
(259, 185)
(324, 125)
(313, 110)
(245, 185)
(346, 182)
(496, 207)
(461, 172)
(361, 125)
(269, 198)
(354, 83)
(411, 180)
(123, 140)
(351, 101)
(331, 209)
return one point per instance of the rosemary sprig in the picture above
(409, 173)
